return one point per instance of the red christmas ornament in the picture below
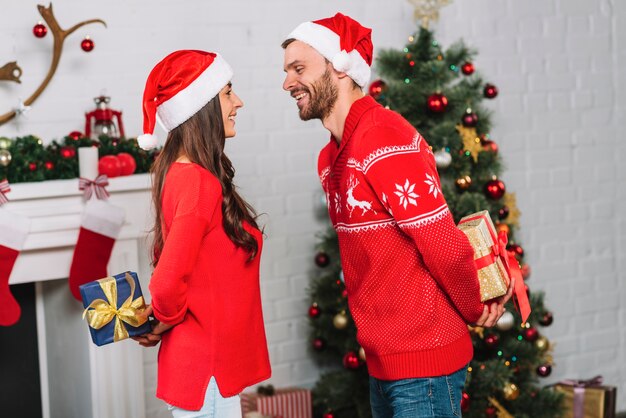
(503, 212)
(68, 152)
(319, 344)
(525, 271)
(75, 135)
(490, 412)
(516, 249)
(490, 91)
(40, 30)
(49, 165)
(547, 319)
(465, 402)
(127, 163)
(531, 334)
(437, 103)
(328, 415)
(344, 293)
(377, 88)
(495, 189)
(314, 311)
(489, 145)
(470, 119)
(32, 166)
(110, 166)
(467, 68)
(87, 44)
(351, 360)
(322, 259)
(544, 370)
(492, 340)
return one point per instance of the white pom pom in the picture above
(147, 141)
(342, 61)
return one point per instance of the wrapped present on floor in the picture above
(280, 403)
(494, 263)
(588, 398)
(112, 308)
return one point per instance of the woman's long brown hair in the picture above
(201, 138)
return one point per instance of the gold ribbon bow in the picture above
(100, 312)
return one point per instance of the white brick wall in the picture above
(564, 152)
(557, 119)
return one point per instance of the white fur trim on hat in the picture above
(147, 141)
(192, 98)
(327, 43)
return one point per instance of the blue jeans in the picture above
(430, 397)
(215, 406)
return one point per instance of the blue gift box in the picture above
(111, 308)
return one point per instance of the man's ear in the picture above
(340, 74)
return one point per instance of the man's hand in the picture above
(151, 339)
(494, 310)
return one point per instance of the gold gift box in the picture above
(493, 278)
(599, 401)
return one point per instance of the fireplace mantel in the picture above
(55, 207)
(115, 380)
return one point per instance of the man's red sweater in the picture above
(204, 286)
(409, 272)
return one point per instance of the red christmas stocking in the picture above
(100, 225)
(13, 232)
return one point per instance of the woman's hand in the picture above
(493, 311)
(152, 338)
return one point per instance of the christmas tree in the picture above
(440, 93)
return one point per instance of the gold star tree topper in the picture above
(427, 10)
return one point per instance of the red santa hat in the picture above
(178, 87)
(341, 40)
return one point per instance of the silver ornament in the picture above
(443, 158)
(506, 321)
(5, 158)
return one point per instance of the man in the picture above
(409, 272)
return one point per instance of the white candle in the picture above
(88, 162)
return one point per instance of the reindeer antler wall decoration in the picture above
(12, 72)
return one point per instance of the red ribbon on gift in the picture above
(96, 186)
(4, 189)
(579, 392)
(498, 250)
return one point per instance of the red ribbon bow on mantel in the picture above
(4, 189)
(96, 186)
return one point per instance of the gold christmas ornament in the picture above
(464, 182)
(471, 141)
(5, 143)
(542, 343)
(5, 158)
(340, 321)
(361, 353)
(511, 391)
(427, 10)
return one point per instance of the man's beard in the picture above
(322, 98)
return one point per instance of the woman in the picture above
(205, 286)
